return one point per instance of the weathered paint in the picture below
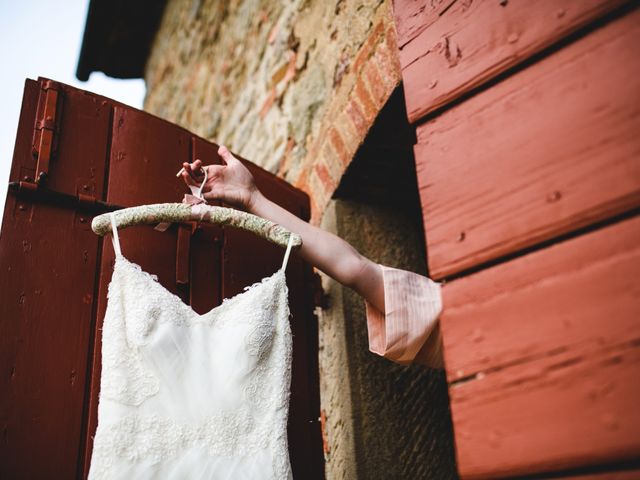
(548, 150)
(543, 357)
(454, 46)
(413, 17)
(46, 302)
(619, 474)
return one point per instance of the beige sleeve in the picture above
(408, 331)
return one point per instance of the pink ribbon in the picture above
(199, 207)
(192, 199)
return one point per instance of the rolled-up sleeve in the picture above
(408, 331)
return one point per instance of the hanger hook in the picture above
(199, 195)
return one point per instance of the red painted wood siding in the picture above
(550, 346)
(527, 119)
(449, 47)
(56, 271)
(548, 150)
(624, 474)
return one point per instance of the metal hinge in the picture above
(81, 201)
(44, 134)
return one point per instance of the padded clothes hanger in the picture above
(193, 209)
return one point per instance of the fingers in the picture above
(187, 178)
(195, 171)
(216, 193)
(223, 151)
(215, 173)
(191, 172)
(226, 155)
(195, 168)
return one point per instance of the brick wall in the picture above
(382, 420)
(292, 86)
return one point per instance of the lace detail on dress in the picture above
(154, 438)
(124, 378)
(167, 307)
(159, 408)
(259, 338)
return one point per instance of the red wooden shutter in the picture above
(98, 155)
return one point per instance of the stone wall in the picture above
(293, 86)
(383, 420)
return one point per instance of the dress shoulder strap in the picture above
(286, 255)
(114, 234)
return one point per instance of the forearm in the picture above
(328, 252)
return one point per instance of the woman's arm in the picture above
(234, 184)
(329, 253)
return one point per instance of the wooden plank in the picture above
(610, 475)
(546, 351)
(82, 148)
(551, 149)
(413, 17)
(146, 153)
(473, 42)
(548, 418)
(48, 260)
(567, 288)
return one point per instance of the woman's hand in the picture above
(232, 183)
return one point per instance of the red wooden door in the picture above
(98, 155)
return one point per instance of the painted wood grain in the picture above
(412, 17)
(610, 475)
(545, 303)
(543, 356)
(48, 260)
(550, 149)
(460, 46)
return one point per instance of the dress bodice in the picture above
(185, 395)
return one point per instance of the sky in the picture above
(41, 38)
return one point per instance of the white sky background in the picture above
(40, 38)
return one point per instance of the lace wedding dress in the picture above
(189, 396)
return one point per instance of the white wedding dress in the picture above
(189, 396)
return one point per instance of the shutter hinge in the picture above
(82, 201)
(86, 201)
(44, 134)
